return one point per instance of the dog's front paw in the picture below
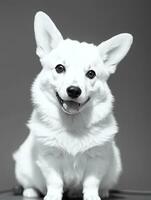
(91, 196)
(53, 196)
(30, 193)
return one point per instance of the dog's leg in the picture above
(96, 169)
(112, 174)
(91, 188)
(27, 172)
(54, 186)
(54, 182)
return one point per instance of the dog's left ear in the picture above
(114, 50)
(46, 34)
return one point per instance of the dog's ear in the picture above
(114, 50)
(46, 34)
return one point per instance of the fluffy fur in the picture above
(67, 150)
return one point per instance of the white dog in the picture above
(71, 142)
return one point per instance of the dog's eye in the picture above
(91, 74)
(60, 68)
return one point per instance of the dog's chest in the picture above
(71, 168)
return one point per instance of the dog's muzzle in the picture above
(70, 106)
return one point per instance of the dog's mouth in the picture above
(69, 106)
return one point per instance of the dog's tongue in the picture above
(71, 106)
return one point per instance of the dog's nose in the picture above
(73, 91)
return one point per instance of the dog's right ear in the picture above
(46, 34)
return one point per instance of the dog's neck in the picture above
(74, 138)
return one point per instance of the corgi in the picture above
(71, 144)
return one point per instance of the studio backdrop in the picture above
(92, 21)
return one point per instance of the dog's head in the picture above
(76, 72)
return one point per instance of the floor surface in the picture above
(11, 196)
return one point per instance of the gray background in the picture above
(84, 20)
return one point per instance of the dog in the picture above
(71, 144)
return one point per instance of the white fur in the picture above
(78, 151)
